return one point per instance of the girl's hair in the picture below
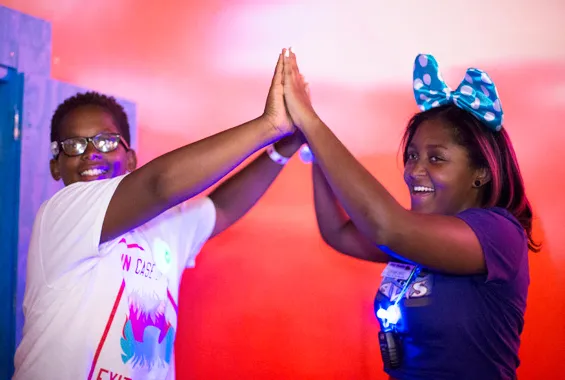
(486, 149)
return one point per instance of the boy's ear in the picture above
(54, 168)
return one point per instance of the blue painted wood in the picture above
(25, 42)
(11, 86)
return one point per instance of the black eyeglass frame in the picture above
(57, 146)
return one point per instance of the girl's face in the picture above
(438, 171)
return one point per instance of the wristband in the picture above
(275, 156)
(306, 155)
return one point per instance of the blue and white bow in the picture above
(477, 93)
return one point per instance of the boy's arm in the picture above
(183, 173)
(235, 197)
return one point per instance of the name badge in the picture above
(398, 271)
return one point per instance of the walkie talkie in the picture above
(390, 341)
(391, 349)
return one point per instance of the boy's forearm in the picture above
(181, 174)
(237, 195)
(187, 171)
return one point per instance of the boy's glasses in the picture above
(75, 146)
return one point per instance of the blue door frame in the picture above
(11, 95)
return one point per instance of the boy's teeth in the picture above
(93, 172)
(423, 189)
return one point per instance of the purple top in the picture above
(467, 327)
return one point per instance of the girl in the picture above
(453, 296)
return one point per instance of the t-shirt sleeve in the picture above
(187, 227)
(202, 213)
(70, 225)
(502, 239)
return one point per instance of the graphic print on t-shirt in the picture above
(140, 331)
(417, 295)
(421, 287)
(147, 338)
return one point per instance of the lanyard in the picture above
(391, 315)
(409, 281)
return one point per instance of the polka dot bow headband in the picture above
(477, 93)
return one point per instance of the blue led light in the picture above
(389, 316)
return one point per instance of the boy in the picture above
(108, 251)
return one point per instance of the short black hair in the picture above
(91, 98)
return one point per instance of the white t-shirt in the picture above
(105, 311)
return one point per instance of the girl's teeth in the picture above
(423, 189)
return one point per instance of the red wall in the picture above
(268, 299)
